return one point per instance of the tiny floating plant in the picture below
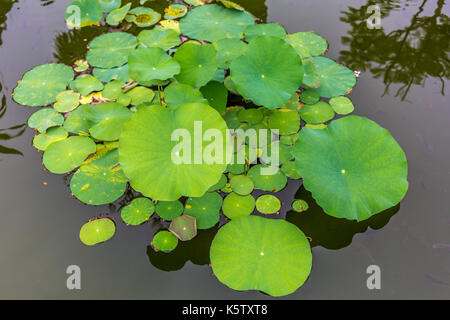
(109, 122)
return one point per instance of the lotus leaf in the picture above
(67, 101)
(43, 140)
(317, 113)
(268, 204)
(229, 49)
(196, 3)
(242, 185)
(284, 152)
(97, 231)
(140, 95)
(285, 120)
(77, 122)
(198, 63)
(143, 17)
(159, 37)
(289, 140)
(310, 96)
(175, 11)
(300, 205)
(289, 169)
(41, 85)
(81, 65)
(293, 103)
(111, 49)
(316, 126)
(251, 116)
(85, 84)
(138, 211)
(230, 85)
(366, 175)
(169, 210)
(83, 13)
(65, 155)
(311, 77)
(266, 29)
(116, 16)
(220, 184)
(110, 5)
(147, 64)
(268, 73)
(212, 23)
(307, 44)
(255, 253)
(170, 24)
(113, 90)
(266, 182)
(342, 105)
(184, 227)
(106, 75)
(99, 180)
(205, 209)
(216, 94)
(177, 94)
(165, 241)
(45, 118)
(231, 116)
(237, 206)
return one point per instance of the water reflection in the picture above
(5, 7)
(330, 232)
(406, 56)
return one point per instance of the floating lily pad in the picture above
(83, 13)
(97, 231)
(311, 77)
(85, 84)
(43, 140)
(283, 153)
(319, 126)
(140, 95)
(99, 180)
(242, 185)
(106, 120)
(169, 210)
(289, 169)
(216, 94)
(335, 79)
(138, 211)
(41, 85)
(149, 159)
(230, 85)
(205, 209)
(67, 101)
(170, 24)
(106, 75)
(81, 65)
(267, 182)
(300, 205)
(175, 11)
(293, 103)
(177, 94)
(110, 5)
(237, 206)
(147, 64)
(268, 73)
(231, 116)
(251, 116)
(285, 120)
(247, 254)
(77, 122)
(219, 185)
(212, 23)
(266, 29)
(310, 96)
(229, 49)
(289, 140)
(111, 49)
(198, 63)
(196, 3)
(159, 37)
(143, 17)
(45, 118)
(342, 105)
(165, 241)
(231, 5)
(65, 155)
(317, 113)
(307, 44)
(116, 16)
(268, 204)
(366, 175)
(184, 227)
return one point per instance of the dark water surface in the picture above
(404, 78)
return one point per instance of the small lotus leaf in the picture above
(300, 205)
(116, 16)
(140, 95)
(177, 94)
(251, 116)
(242, 185)
(97, 231)
(184, 227)
(106, 75)
(43, 140)
(307, 44)
(236, 206)
(229, 49)
(106, 120)
(289, 169)
(289, 140)
(311, 77)
(231, 116)
(287, 121)
(284, 153)
(170, 24)
(196, 3)
(138, 211)
(268, 204)
(317, 113)
(205, 209)
(266, 29)
(81, 65)
(310, 96)
(216, 94)
(267, 182)
(175, 11)
(67, 101)
(159, 37)
(165, 241)
(342, 105)
(168, 210)
(85, 84)
(111, 49)
(110, 5)
(77, 122)
(45, 118)
(220, 184)
(143, 17)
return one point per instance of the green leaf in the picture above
(146, 151)
(67, 101)
(254, 253)
(159, 37)
(44, 119)
(267, 182)
(342, 105)
(184, 227)
(219, 185)
(41, 85)
(77, 122)
(307, 44)
(231, 116)
(212, 23)
(237, 206)
(317, 113)
(138, 211)
(175, 11)
(268, 204)
(242, 185)
(169, 210)
(85, 84)
(289, 169)
(265, 29)
(140, 95)
(311, 77)
(110, 5)
(177, 94)
(165, 241)
(97, 231)
(43, 140)
(143, 17)
(205, 209)
(251, 116)
(285, 120)
(106, 120)
(310, 96)
(366, 174)
(268, 73)
(198, 63)
(106, 75)
(83, 13)
(117, 15)
(111, 49)
(217, 95)
(228, 50)
(300, 205)
(197, 2)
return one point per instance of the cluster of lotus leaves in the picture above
(109, 122)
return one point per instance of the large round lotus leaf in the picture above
(111, 49)
(168, 210)
(164, 241)
(67, 101)
(77, 122)
(177, 94)
(242, 185)
(212, 23)
(106, 75)
(231, 116)
(228, 50)
(268, 73)
(45, 118)
(41, 85)
(266, 181)
(366, 174)
(317, 113)
(342, 105)
(307, 44)
(147, 64)
(65, 155)
(116, 16)
(216, 94)
(85, 84)
(335, 79)
(110, 5)
(266, 29)
(83, 13)
(255, 253)
(205, 209)
(158, 170)
(289, 169)
(300, 205)
(141, 95)
(99, 180)
(198, 63)
(106, 120)
(311, 77)
(236, 206)
(97, 231)
(287, 121)
(175, 11)
(143, 17)
(43, 140)
(159, 37)
(184, 227)
(251, 116)
(268, 204)
(310, 96)
(138, 211)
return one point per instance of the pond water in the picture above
(404, 79)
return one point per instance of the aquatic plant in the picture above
(128, 115)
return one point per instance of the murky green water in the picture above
(404, 78)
